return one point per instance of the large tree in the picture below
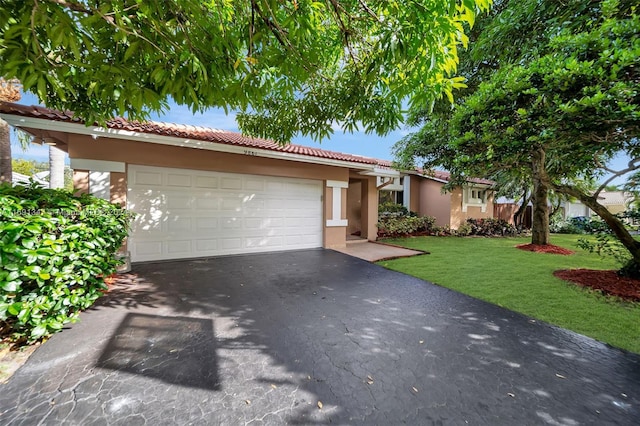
(514, 33)
(560, 116)
(288, 66)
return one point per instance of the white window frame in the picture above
(475, 196)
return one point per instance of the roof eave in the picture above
(98, 132)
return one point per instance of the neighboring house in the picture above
(614, 201)
(201, 192)
(19, 178)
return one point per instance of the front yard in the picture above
(492, 269)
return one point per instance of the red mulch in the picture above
(607, 282)
(548, 248)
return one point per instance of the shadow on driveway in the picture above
(176, 350)
(294, 329)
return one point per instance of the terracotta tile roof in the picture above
(208, 134)
(186, 132)
(442, 175)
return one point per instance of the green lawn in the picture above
(492, 269)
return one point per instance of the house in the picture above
(423, 193)
(38, 179)
(614, 201)
(200, 192)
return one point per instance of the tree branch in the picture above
(631, 166)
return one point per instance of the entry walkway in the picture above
(313, 337)
(375, 252)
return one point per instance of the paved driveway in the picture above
(267, 339)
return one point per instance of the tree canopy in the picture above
(289, 67)
(555, 117)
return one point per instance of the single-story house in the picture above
(614, 201)
(200, 192)
(423, 193)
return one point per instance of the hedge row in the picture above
(55, 249)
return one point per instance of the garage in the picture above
(184, 213)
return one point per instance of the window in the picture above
(474, 196)
(477, 196)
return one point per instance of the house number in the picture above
(247, 152)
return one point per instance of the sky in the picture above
(352, 143)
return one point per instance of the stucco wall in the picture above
(473, 212)
(369, 209)
(354, 206)
(433, 202)
(414, 193)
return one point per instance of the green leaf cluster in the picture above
(396, 226)
(290, 67)
(55, 249)
(579, 102)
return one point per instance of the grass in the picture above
(492, 269)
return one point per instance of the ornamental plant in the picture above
(395, 221)
(55, 250)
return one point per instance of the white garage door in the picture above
(191, 213)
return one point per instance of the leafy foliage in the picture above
(55, 249)
(605, 245)
(393, 209)
(396, 220)
(288, 66)
(396, 226)
(489, 227)
(553, 117)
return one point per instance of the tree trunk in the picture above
(540, 221)
(56, 168)
(519, 214)
(616, 225)
(5, 152)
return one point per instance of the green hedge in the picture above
(488, 227)
(55, 249)
(405, 225)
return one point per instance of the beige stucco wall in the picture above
(118, 187)
(132, 152)
(81, 181)
(433, 202)
(354, 206)
(369, 209)
(616, 208)
(473, 212)
(414, 193)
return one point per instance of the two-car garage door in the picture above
(190, 213)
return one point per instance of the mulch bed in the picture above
(607, 282)
(547, 248)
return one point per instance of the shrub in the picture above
(581, 225)
(464, 230)
(490, 227)
(565, 227)
(392, 226)
(393, 210)
(55, 249)
(606, 245)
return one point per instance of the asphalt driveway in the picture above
(313, 337)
